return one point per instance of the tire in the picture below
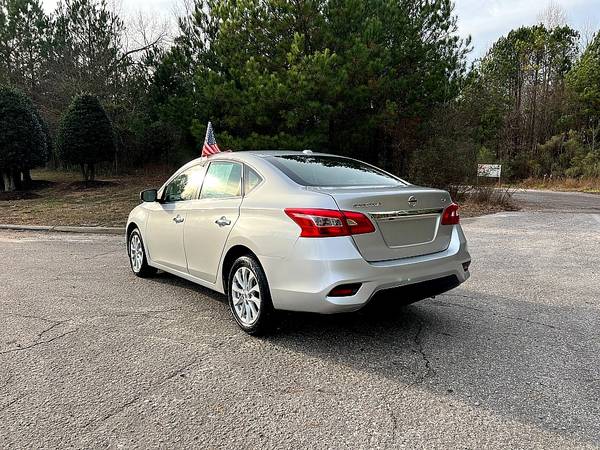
(137, 255)
(249, 297)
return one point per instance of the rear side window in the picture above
(251, 180)
(331, 171)
(223, 179)
(184, 186)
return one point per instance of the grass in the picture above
(562, 184)
(61, 198)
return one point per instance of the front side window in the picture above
(184, 186)
(223, 179)
(331, 171)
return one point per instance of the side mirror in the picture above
(149, 195)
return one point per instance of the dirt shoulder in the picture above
(470, 208)
(62, 199)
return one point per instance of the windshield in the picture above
(331, 171)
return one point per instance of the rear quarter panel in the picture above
(263, 226)
(264, 223)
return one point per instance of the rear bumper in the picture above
(418, 291)
(302, 281)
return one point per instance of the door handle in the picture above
(223, 221)
(178, 219)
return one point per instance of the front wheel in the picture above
(137, 255)
(249, 296)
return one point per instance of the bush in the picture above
(22, 140)
(486, 156)
(85, 135)
(586, 165)
(492, 195)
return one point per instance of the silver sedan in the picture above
(298, 231)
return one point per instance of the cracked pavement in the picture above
(91, 356)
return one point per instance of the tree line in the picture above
(539, 103)
(384, 81)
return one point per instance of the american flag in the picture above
(210, 146)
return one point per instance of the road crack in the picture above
(12, 402)
(100, 255)
(137, 397)
(420, 378)
(38, 340)
(7, 382)
(493, 313)
(152, 314)
(29, 316)
(430, 372)
(153, 387)
(394, 421)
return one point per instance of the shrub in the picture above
(85, 135)
(486, 156)
(22, 139)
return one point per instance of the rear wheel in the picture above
(137, 255)
(249, 296)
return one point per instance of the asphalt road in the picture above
(573, 202)
(91, 356)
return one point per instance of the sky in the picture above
(487, 20)
(484, 20)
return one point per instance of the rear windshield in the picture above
(331, 171)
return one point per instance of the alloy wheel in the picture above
(136, 252)
(245, 293)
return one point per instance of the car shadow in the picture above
(486, 351)
(173, 280)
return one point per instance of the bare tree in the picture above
(145, 31)
(587, 32)
(182, 9)
(553, 15)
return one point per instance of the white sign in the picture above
(489, 170)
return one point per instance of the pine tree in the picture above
(85, 135)
(24, 45)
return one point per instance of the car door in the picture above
(210, 218)
(166, 221)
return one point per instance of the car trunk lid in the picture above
(407, 219)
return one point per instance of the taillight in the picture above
(329, 222)
(358, 223)
(450, 215)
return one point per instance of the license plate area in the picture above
(409, 230)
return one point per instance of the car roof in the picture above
(249, 155)
(244, 156)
